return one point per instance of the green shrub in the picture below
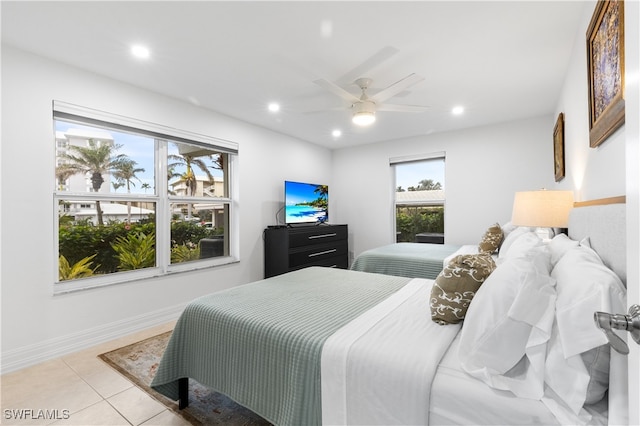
(80, 269)
(184, 253)
(76, 242)
(79, 240)
(189, 232)
(135, 251)
(414, 220)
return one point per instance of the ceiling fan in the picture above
(365, 107)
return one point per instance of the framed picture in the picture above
(558, 147)
(605, 63)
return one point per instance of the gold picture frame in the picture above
(605, 63)
(558, 148)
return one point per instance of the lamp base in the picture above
(545, 234)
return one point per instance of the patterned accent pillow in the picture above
(456, 285)
(491, 239)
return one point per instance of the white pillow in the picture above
(508, 228)
(559, 245)
(509, 239)
(509, 318)
(578, 360)
(523, 245)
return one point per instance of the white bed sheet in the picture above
(459, 399)
(378, 369)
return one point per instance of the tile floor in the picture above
(80, 389)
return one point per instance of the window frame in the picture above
(396, 161)
(161, 198)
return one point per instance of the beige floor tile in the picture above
(48, 386)
(98, 414)
(85, 388)
(166, 418)
(136, 406)
(100, 376)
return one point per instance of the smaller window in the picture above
(419, 200)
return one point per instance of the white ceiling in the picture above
(501, 60)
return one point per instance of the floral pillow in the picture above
(456, 285)
(491, 240)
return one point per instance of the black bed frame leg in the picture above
(183, 393)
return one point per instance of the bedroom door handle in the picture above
(609, 322)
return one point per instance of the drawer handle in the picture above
(313, 237)
(320, 253)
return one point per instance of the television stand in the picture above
(292, 248)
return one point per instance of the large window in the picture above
(419, 198)
(134, 199)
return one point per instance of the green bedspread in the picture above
(414, 260)
(261, 343)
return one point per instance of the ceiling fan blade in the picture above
(337, 90)
(370, 63)
(403, 108)
(397, 87)
(323, 110)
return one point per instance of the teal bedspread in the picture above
(413, 260)
(261, 343)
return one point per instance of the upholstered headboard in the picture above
(604, 223)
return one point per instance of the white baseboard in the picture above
(26, 356)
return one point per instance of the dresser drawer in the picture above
(288, 249)
(316, 235)
(331, 262)
(315, 254)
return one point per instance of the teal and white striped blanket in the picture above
(413, 260)
(261, 343)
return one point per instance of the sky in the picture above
(410, 174)
(138, 148)
(141, 149)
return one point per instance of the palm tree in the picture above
(125, 173)
(117, 185)
(95, 159)
(145, 186)
(189, 177)
(428, 185)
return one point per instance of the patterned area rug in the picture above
(138, 362)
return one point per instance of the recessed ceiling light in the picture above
(326, 28)
(274, 107)
(140, 51)
(457, 110)
(336, 133)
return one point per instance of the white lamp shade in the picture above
(543, 208)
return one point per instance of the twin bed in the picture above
(326, 346)
(413, 260)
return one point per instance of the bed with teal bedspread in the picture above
(413, 260)
(261, 343)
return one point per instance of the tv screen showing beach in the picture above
(306, 202)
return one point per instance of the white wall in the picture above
(632, 105)
(37, 325)
(612, 168)
(484, 167)
(591, 173)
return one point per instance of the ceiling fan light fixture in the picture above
(364, 113)
(363, 118)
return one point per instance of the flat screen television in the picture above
(306, 203)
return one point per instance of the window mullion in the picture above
(163, 218)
